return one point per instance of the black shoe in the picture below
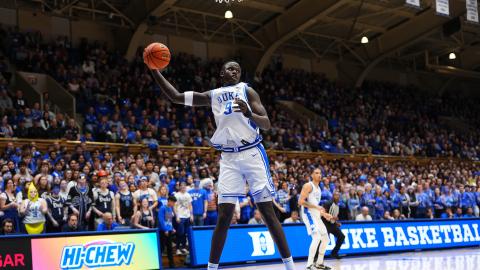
(322, 267)
(335, 255)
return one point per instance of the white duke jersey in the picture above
(233, 128)
(311, 216)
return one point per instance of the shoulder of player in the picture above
(307, 187)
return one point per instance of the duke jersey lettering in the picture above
(233, 129)
(104, 202)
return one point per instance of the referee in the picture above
(333, 226)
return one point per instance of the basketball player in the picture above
(311, 215)
(239, 114)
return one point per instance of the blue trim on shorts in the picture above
(226, 195)
(267, 167)
(309, 217)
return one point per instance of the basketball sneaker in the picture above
(322, 267)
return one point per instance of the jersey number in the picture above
(228, 108)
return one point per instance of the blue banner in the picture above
(248, 243)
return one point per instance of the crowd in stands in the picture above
(121, 103)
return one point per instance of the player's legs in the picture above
(225, 214)
(257, 173)
(322, 248)
(231, 185)
(314, 246)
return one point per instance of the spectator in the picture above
(6, 103)
(184, 217)
(57, 210)
(72, 224)
(104, 199)
(125, 204)
(387, 216)
(199, 204)
(33, 209)
(145, 192)
(469, 213)
(144, 218)
(8, 204)
(257, 218)
(212, 198)
(363, 216)
(80, 202)
(7, 227)
(6, 130)
(108, 223)
(448, 213)
(294, 218)
(165, 219)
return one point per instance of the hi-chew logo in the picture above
(99, 253)
(262, 243)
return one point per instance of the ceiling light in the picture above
(364, 40)
(228, 14)
(452, 56)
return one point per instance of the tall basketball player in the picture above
(311, 215)
(239, 114)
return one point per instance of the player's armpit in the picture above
(259, 113)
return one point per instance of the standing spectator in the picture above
(145, 192)
(256, 219)
(353, 202)
(332, 225)
(380, 203)
(72, 132)
(412, 202)
(283, 197)
(104, 200)
(246, 208)
(424, 203)
(162, 196)
(143, 218)
(212, 207)
(8, 204)
(368, 199)
(108, 223)
(80, 202)
(5, 101)
(294, 218)
(57, 210)
(33, 209)
(199, 203)
(19, 102)
(438, 203)
(125, 204)
(154, 179)
(6, 130)
(184, 216)
(165, 219)
(72, 224)
(363, 216)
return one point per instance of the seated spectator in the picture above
(363, 216)
(257, 218)
(448, 213)
(108, 223)
(72, 224)
(7, 227)
(294, 218)
(387, 216)
(458, 213)
(397, 215)
(429, 214)
(469, 213)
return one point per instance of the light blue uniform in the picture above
(244, 159)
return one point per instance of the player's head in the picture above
(230, 73)
(316, 175)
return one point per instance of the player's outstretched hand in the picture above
(241, 106)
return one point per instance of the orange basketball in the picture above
(156, 56)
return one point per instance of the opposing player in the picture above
(311, 215)
(239, 114)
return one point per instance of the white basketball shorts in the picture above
(313, 221)
(236, 169)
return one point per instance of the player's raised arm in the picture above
(258, 114)
(189, 98)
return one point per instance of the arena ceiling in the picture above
(315, 28)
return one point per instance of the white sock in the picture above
(288, 262)
(323, 248)
(212, 266)
(312, 251)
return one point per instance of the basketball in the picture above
(156, 56)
